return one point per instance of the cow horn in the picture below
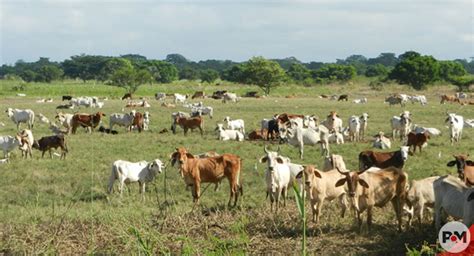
(341, 172)
(360, 172)
(265, 149)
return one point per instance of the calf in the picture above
(456, 124)
(90, 121)
(401, 125)
(417, 140)
(449, 98)
(142, 172)
(465, 168)
(333, 122)
(354, 128)
(420, 195)
(190, 123)
(209, 170)
(394, 100)
(258, 134)
(237, 124)
(320, 187)
(228, 134)
(49, 142)
(429, 130)
(370, 158)
(201, 111)
(297, 136)
(138, 121)
(364, 120)
(179, 98)
(146, 120)
(65, 119)
(377, 188)
(26, 142)
(160, 96)
(232, 97)
(18, 116)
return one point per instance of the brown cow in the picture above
(47, 143)
(449, 98)
(138, 121)
(198, 94)
(465, 168)
(209, 170)
(190, 123)
(86, 120)
(258, 134)
(417, 140)
(283, 118)
(343, 97)
(371, 158)
(127, 95)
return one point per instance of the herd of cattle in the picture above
(379, 180)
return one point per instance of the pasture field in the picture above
(53, 206)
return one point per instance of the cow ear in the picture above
(340, 182)
(263, 159)
(469, 162)
(470, 197)
(299, 175)
(451, 164)
(317, 174)
(189, 155)
(279, 160)
(363, 183)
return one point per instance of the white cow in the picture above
(8, 143)
(430, 130)
(360, 101)
(381, 141)
(277, 177)
(333, 122)
(146, 121)
(160, 96)
(43, 119)
(228, 134)
(18, 116)
(401, 125)
(469, 123)
(179, 98)
(354, 128)
(141, 172)
(364, 120)
(237, 124)
(461, 95)
(418, 98)
(202, 110)
(420, 195)
(26, 141)
(66, 120)
(456, 123)
(449, 194)
(122, 119)
(85, 101)
(228, 96)
(336, 137)
(298, 136)
(310, 121)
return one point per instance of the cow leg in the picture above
(200, 129)
(185, 130)
(301, 151)
(359, 220)
(142, 189)
(369, 218)
(197, 191)
(121, 186)
(42, 155)
(343, 203)
(285, 195)
(318, 210)
(398, 211)
(50, 154)
(419, 212)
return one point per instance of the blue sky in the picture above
(320, 30)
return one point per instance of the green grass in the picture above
(53, 206)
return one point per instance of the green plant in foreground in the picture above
(299, 197)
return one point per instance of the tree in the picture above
(188, 73)
(130, 78)
(334, 72)
(298, 72)
(209, 75)
(235, 74)
(387, 59)
(29, 76)
(48, 73)
(264, 73)
(161, 71)
(416, 71)
(287, 62)
(84, 67)
(450, 69)
(112, 65)
(376, 70)
(359, 62)
(177, 59)
(408, 55)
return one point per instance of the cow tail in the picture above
(401, 186)
(113, 177)
(241, 190)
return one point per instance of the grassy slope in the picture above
(61, 206)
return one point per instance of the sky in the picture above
(319, 30)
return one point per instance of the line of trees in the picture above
(132, 70)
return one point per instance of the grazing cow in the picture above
(456, 123)
(298, 136)
(26, 143)
(127, 172)
(49, 142)
(449, 194)
(201, 111)
(179, 98)
(65, 119)
(8, 143)
(84, 101)
(258, 134)
(360, 101)
(377, 188)
(417, 140)
(121, 119)
(418, 98)
(198, 94)
(228, 96)
(66, 97)
(354, 128)
(401, 125)
(381, 141)
(320, 187)
(449, 98)
(343, 97)
(43, 119)
(237, 124)
(465, 168)
(90, 121)
(468, 213)
(106, 130)
(146, 120)
(138, 121)
(173, 119)
(190, 123)
(371, 158)
(364, 120)
(217, 95)
(277, 177)
(160, 96)
(228, 134)
(394, 100)
(333, 122)
(429, 130)
(420, 195)
(127, 96)
(195, 171)
(18, 116)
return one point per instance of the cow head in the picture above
(219, 127)
(310, 174)
(333, 161)
(156, 166)
(404, 150)
(452, 119)
(180, 156)
(332, 116)
(9, 112)
(460, 162)
(364, 117)
(272, 158)
(353, 180)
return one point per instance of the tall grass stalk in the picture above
(299, 197)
